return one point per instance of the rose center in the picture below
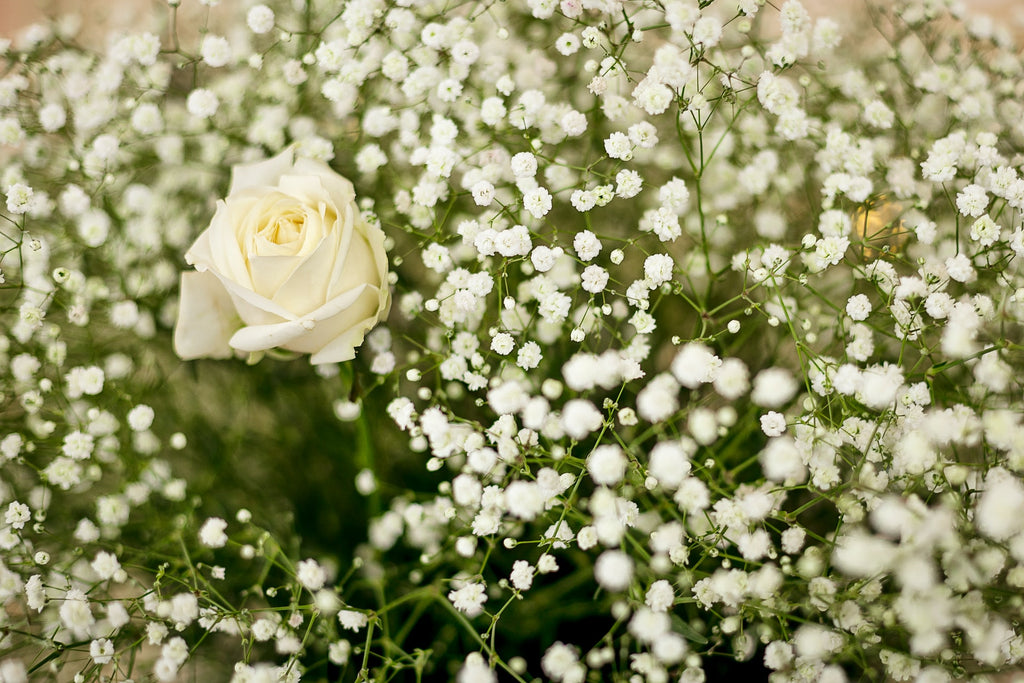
(284, 229)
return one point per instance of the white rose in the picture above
(287, 262)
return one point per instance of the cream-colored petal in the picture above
(257, 223)
(338, 188)
(375, 237)
(307, 287)
(307, 187)
(270, 272)
(358, 267)
(293, 333)
(261, 173)
(200, 254)
(337, 318)
(227, 256)
(206, 318)
(318, 221)
(263, 337)
(384, 301)
(252, 307)
(345, 234)
(261, 246)
(254, 315)
(343, 348)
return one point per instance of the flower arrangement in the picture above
(703, 361)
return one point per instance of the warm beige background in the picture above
(15, 13)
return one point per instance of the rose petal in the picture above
(355, 265)
(217, 248)
(288, 238)
(269, 273)
(375, 237)
(255, 219)
(307, 188)
(306, 288)
(261, 337)
(253, 308)
(376, 261)
(261, 173)
(254, 314)
(206, 317)
(339, 189)
(343, 348)
(358, 315)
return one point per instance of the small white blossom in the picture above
(502, 343)
(614, 570)
(469, 599)
(17, 515)
(619, 146)
(594, 279)
(858, 307)
(260, 19)
(522, 575)
(972, 201)
(587, 245)
(202, 103)
(352, 620)
(310, 574)
(19, 198)
(140, 418)
(773, 423)
(215, 50)
(607, 465)
(524, 165)
(101, 650)
(212, 535)
(537, 202)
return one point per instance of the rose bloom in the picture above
(287, 262)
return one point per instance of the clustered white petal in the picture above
(705, 334)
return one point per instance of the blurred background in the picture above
(16, 14)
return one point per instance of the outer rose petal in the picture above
(216, 248)
(340, 189)
(261, 173)
(262, 337)
(205, 318)
(343, 348)
(305, 289)
(359, 315)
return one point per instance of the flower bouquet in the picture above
(563, 340)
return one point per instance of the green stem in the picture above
(365, 460)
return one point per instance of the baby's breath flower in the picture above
(19, 198)
(311, 575)
(202, 103)
(352, 620)
(215, 50)
(211, 534)
(260, 19)
(469, 598)
(614, 570)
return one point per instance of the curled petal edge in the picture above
(206, 318)
(263, 337)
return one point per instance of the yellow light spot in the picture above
(880, 228)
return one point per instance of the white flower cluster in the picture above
(703, 335)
